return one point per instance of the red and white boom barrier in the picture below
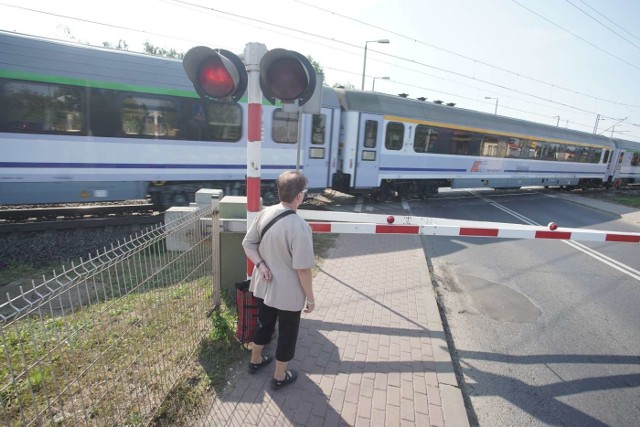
(356, 223)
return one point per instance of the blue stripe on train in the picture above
(131, 166)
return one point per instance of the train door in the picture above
(368, 152)
(317, 139)
(615, 164)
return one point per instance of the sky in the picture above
(567, 63)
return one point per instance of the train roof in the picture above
(627, 145)
(48, 59)
(73, 63)
(390, 105)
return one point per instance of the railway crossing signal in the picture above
(218, 75)
(287, 76)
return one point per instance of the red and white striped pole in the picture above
(253, 53)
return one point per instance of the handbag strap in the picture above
(274, 220)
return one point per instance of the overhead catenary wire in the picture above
(475, 60)
(606, 52)
(623, 29)
(604, 25)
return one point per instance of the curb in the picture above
(453, 402)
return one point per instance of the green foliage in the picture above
(349, 86)
(316, 65)
(160, 51)
(632, 201)
(122, 45)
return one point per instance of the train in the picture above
(88, 124)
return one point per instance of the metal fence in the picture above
(104, 341)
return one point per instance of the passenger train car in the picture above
(85, 124)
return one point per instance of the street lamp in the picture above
(490, 97)
(364, 67)
(374, 82)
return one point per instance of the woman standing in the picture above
(281, 280)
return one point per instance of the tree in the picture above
(160, 51)
(122, 45)
(317, 68)
(349, 86)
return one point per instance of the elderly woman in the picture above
(281, 280)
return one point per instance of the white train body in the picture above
(79, 123)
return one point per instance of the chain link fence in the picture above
(104, 341)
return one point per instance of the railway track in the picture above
(75, 217)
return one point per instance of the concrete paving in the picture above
(372, 353)
(374, 350)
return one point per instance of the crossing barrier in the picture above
(361, 223)
(358, 223)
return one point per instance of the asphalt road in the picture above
(546, 332)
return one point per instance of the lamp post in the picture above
(496, 110)
(374, 82)
(364, 67)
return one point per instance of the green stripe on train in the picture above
(72, 81)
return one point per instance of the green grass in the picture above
(16, 271)
(218, 357)
(132, 343)
(631, 201)
(126, 347)
(322, 244)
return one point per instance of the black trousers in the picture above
(288, 325)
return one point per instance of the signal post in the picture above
(282, 75)
(253, 54)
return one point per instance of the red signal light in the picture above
(214, 78)
(217, 75)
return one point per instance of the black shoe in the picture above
(289, 377)
(254, 367)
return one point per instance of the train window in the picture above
(583, 155)
(318, 128)
(606, 159)
(316, 153)
(534, 150)
(104, 114)
(546, 150)
(493, 146)
(284, 128)
(568, 153)
(370, 134)
(424, 139)
(460, 142)
(635, 160)
(368, 155)
(594, 155)
(515, 147)
(41, 108)
(224, 122)
(151, 117)
(395, 136)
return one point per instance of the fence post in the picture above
(215, 249)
